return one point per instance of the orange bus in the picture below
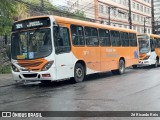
(149, 49)
(51, 48)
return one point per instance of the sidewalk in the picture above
(6, 79)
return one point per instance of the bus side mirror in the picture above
(8, 51)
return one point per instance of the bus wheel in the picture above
(121, 68)
(134, 66)
(79, 73)
(156, 63)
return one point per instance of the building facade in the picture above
(116, 12)
(157, 16)
(86, 6)
(157, 9)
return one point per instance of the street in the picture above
(136, 90)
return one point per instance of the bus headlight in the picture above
(14, 68)
(146, 57)
(47, 65)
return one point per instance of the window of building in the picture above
(133, 4)
(148, 9)
(149, 31)
(133, 16)
(141, 8)
(142, 19)
(77, 35)
(145, 9)
(134, 27)
(137, 17)
(104, 37)
(138, 29)
(124, 2)
(142, 30)
(125, 16)
(107, 9)
(91, 36)
(137, 6)
(100, 8)
(115, 38)
(114, 12)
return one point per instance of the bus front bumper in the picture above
(145, 62)
(35, 76)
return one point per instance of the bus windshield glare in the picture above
(143, 46)
(31, 44)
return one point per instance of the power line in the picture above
(36, 8)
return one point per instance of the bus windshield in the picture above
(143, 46)
(31, 44)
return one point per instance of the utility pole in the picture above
(144, 24)
(129, 17)
(109, 15)
(152, 12)
(42, 5)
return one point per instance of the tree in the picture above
(22, 11)
(7, 12)
(79, 15)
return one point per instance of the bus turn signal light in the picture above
(46, 75)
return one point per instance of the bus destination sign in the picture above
(30, 23)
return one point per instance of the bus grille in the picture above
(29, 75)
(33, 64)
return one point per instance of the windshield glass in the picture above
(31, 44)
(143, 46)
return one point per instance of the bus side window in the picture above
(77, 35)
(115, 38)
(152, 44)
(61, 40)
(125, 39)
(104, 37)
(158, 42)
(133, 39)
(91, 36)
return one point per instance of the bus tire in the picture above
(121, 67)
(79, 73)
(156, 63)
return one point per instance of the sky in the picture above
(59, 2)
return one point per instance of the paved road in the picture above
(136, 90)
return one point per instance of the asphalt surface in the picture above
(136, 90)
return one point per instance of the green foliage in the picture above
(5, 69)
(7, 11)
(47, 4)
(22, 11)
(79, 15)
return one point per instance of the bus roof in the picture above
(151, 35)
(86, 23)
(80, 22)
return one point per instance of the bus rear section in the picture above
(148, 50)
